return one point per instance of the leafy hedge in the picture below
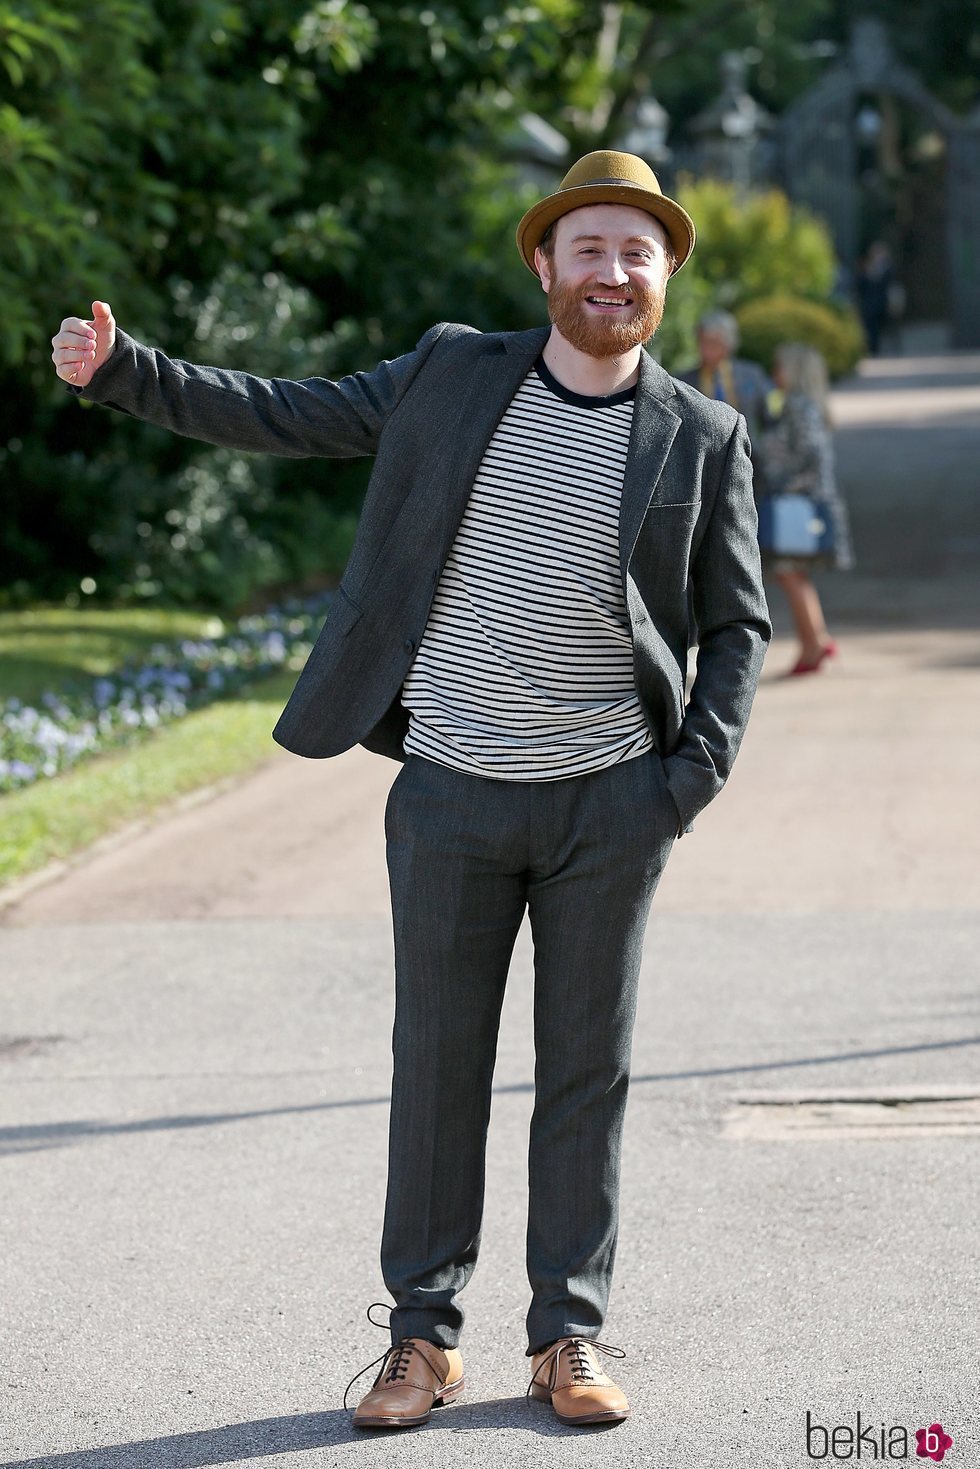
(748, 247)
(833, 330)
(757, 245)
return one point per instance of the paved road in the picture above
(195, 1076)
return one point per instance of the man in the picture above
(878, 293)
(730, 379)
(513, 625)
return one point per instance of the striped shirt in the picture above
(525, 668)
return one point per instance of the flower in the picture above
(176, 678)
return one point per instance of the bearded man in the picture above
(552, 521)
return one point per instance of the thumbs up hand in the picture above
(80, 347)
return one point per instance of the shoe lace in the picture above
(394, 1360)
(578, 1350)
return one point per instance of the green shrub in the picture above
(689, 297)
(748, 247)
(834, 331)
(226, 532)
(760, 244)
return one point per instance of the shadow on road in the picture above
(35, 1137)
(268, 1436)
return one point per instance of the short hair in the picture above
(721, 324)
(546, 245)
(804, 371)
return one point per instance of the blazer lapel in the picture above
(492, 385)
(654, 429)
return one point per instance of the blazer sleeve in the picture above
(296, 420)
(733, 631)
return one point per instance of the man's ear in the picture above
(543, 266)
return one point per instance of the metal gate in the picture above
(826, 138)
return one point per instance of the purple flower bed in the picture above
(39, 742)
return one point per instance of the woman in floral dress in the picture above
(796, 456)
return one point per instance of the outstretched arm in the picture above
(297, 420)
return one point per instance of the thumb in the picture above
(101, 313)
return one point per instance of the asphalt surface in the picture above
(195, 1063)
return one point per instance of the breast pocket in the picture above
(664, 502)
(674, 524)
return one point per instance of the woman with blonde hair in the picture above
(796, 457)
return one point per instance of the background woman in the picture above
(796, 456)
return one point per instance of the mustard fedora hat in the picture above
(607, 177)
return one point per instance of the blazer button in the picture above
(409, 645)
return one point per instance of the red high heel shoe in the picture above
(829, 650)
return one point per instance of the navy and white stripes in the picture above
(525, 668)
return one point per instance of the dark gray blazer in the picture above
(689, 557)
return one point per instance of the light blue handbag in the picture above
(795, 525)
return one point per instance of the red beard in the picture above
(605, 336)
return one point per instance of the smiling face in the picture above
(605, 273)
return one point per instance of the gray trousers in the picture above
(466, 856)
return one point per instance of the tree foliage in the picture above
(766, 322)
(304, 187)
(286, 188)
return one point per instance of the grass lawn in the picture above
(57, 817)
(45, 648)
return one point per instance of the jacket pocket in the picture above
(664, 501)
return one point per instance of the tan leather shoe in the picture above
(569, 1375)
(415, 1377)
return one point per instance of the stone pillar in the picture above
(963, 225)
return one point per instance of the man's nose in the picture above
(614, 273)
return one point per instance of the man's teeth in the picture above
(608, 300)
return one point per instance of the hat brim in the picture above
(675, 220)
